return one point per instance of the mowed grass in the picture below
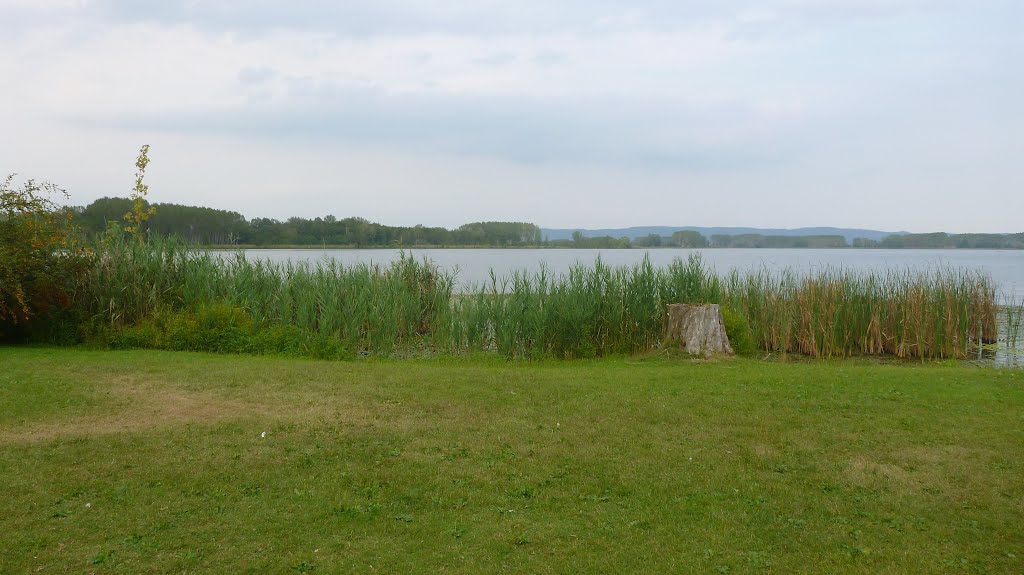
(155, 462)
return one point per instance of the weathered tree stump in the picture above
(699, 329)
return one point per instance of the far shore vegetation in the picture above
(210, 227)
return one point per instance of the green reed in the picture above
(592, 310)
(589, 311)
(366, 306)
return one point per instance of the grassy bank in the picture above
(161, 294)
(155, 462)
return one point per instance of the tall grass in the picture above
(590, 311)
(365, 306)
(840, 313)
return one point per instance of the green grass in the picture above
(473, 465)
(27, 396)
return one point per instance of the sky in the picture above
(881, 114)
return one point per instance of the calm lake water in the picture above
(473, 266)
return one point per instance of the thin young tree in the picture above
(136, 218)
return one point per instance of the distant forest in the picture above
(211, 227)
(942, 240)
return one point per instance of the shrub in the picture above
(222, 328)
(738, 329)
(40, 260)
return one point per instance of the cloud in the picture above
(531, 131)
(785, 99)
(474, 96)
(496, 59)
(399, 17)
(256, 75)
(459, 17)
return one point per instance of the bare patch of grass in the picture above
(140, 407)
(867, 473)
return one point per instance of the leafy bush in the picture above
(39, 258)
(741, 337)
(223, 328)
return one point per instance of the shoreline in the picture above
(541, 248)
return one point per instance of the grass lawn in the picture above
(157, 462)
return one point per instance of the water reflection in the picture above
(1008, 350)
(999, 355)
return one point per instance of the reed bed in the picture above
(364, 306)
(593, 310)
(938, 313)
(590, 311)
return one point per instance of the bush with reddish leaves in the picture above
(40, 259)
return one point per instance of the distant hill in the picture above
(644, 231)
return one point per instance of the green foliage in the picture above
(591, 311)
(741, 338)
(941, 240)
(97, 216)
(362, 307)
(592, 243)
(40, 261)
(411, 306)
(195, 225)
(601, 310)
(369, 309)
(649, 241)
(208, 226)
(763, 241)
(498, 234)
(224, 329)
(139, 213)
(689, 239)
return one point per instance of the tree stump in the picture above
(699, 329)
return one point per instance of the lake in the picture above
(473, 266)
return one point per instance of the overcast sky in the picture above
(884, 114)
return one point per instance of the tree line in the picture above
(212, 227)
(695, 240)
(942, 240)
